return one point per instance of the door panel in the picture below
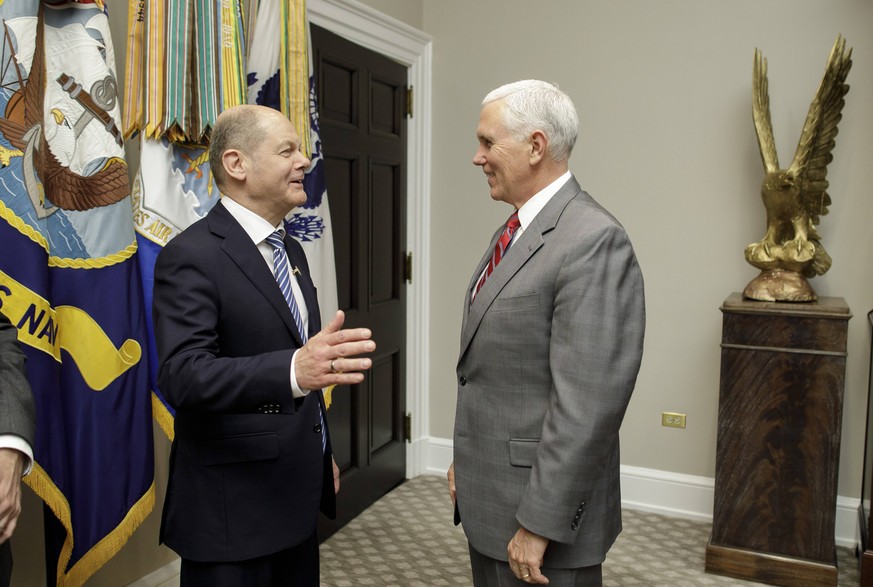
(361, 96)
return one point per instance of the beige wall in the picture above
(407, 11)
(667, 144)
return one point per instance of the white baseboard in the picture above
(667, 493)
(439, 456)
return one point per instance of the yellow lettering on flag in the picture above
(66, 328)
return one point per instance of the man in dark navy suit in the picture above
(243, 360)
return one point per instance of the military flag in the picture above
(69, 278)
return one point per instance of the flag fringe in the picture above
(162, 416)
(39, 481)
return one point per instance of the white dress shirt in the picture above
(532, 207)
(16, 442)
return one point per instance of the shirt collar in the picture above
(532, 207)
(255, 226)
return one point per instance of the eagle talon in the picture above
(759, 252)
(799, 251)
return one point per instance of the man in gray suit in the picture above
(17, 423)
(551, 344)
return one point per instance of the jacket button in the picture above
(463, 381)
(317, 428)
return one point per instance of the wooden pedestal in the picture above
(777, 457)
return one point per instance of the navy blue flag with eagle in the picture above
(69, 278)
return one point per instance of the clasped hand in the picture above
(525, 552)
(331, 356)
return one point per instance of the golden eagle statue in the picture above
(795, 198)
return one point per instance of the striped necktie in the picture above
(283, 278)
(499, 249)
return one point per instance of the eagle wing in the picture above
(761, 114)
(819, 131)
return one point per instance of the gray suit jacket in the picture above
(550, 351)
(17, 411)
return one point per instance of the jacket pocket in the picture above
(523, 451)
(515, 303)
(241, 448)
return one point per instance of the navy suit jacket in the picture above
(247, 472)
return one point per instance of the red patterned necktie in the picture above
(499, 250)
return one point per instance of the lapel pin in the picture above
(295, 271)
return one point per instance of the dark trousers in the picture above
(5, 564)
(489, 572)
(294, 567)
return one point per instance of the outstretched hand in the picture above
(331, 356)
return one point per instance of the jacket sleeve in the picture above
(595, 351)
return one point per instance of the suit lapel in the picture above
(514, 261)
(244, 253)
(518, 254)
(478, 272)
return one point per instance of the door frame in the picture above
(378, 32)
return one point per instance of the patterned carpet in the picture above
(407, 539)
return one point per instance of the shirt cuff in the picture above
(16, 442)
(296, 391)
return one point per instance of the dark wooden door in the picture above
(361, 102)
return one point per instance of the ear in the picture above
(234, 164)
(538, 144)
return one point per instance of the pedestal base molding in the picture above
(768, 568)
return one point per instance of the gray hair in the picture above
(537, 105)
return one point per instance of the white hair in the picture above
(537, 105)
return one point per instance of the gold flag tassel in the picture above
(294, 70)
(233, 64)
(132, 112)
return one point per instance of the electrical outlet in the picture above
(672, 420)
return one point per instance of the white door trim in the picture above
(413, 48)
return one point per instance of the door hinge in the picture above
(407, 268)
(409, 97)
(407, 427)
